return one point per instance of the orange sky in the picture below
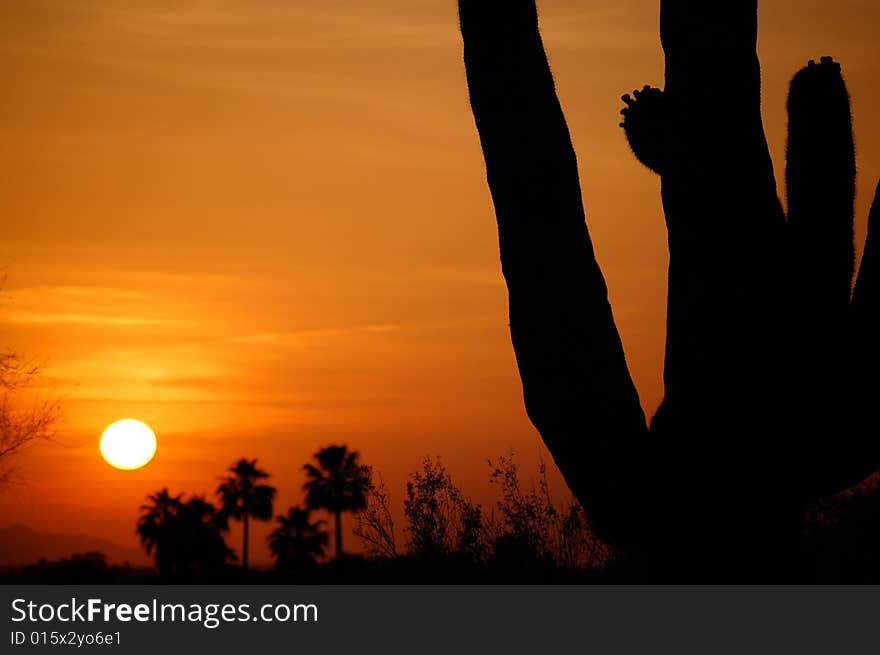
(263, 226)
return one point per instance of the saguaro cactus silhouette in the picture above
(758, 310)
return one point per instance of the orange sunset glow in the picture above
(262, 227)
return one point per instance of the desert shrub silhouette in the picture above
(441, 521)
(769, 366)
(530, 530)
(374, 524)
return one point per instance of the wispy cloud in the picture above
(327, 335)
(99, 293)
(67, 318)
(91, 306)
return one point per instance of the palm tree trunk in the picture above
(338, 535)
(244, 547)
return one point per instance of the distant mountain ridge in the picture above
(21, 545)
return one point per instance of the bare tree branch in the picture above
(23, 423)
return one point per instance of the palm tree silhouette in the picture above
(337, 483)
(297, 542)
(243, 498)
(182, 536)
(198, 540)
(154, 526)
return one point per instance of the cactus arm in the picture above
(865, 455)
(820, 184)
(720, 419)
(577, 388)
(725, 223)
(724, 217)
(866, 297)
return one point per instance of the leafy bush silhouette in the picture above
(769, 366)
(526, 536)
(532, 532)
(526, 518)
(374, 524)
(441, 522)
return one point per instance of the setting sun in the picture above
(128, 444)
